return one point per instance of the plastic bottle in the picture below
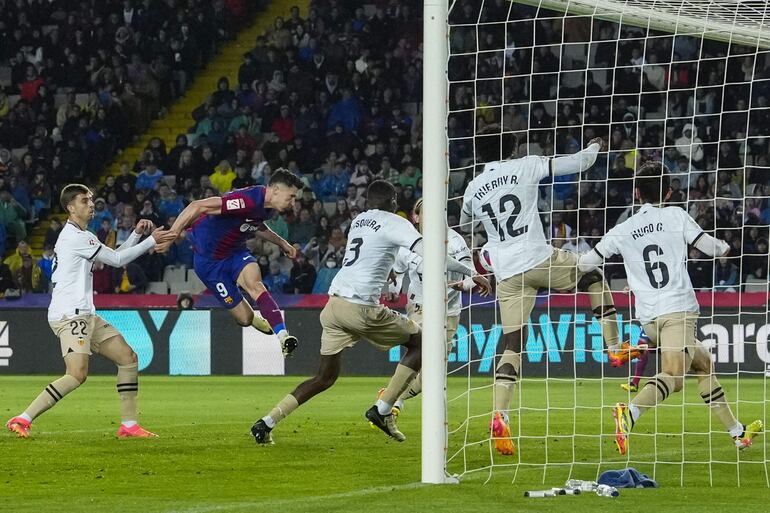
(578, 484)
(607, 491)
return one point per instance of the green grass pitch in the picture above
(326, 457)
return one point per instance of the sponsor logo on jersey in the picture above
(234, 204)
(246, 227)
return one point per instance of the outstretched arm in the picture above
(197, 208)
(711, 246)
(589, 261)
(451, 264)
(577, 162)
(114, 258)
(265, 233)
(144, 226)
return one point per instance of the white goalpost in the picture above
(637, 73)
(435, 176)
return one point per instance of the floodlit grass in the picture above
(327, 458)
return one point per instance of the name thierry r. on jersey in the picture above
(494, 184)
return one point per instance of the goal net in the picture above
(683, 82)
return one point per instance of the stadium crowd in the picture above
(79, 80)
(335, 97)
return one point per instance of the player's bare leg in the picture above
(76, 365)
(250, 280)
(328, 372)
(120, 353)
(714, 397)
(380, 415)
(603, 308)
(674, 366)
(506, 376)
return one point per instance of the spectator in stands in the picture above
(106, 234)
(148, 179)
(690, 145)
(29, 277)
(725, 275)
(12, 215)
(52, 234)
(303, 276)
(46, 262)
(242, 179)
(303, 228)
(325, 276)
(755, 264)
(181, 252)
(6, 278)
(169, 204)
(148, 212)
(276, 282)
(15, 260)
(222, 177)
(129, 279)
(125, 228)
(101, 213)
(701, 270)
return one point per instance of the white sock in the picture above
(505, 416)
(383, 407)
(635, 412)
(282, 334)
(399, 404)
(26, 417)
(129, 423)
(269, 421)
(736, 430)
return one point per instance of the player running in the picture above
(354, 312)
(411, 264)
(73, 318)
(503, 197)
(220, 228)
(653, 243)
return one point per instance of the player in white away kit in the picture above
(354, 311)
(504, 197)
(654, 243)
(411, 264)
(73, 318)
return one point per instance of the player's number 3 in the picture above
(355, 247)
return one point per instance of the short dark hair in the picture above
(285, 177)
(494, 143)
(381, 195)
(70, 192)
(652, 181)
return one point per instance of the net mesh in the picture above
(684, 82)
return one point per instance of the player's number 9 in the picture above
(222, 289)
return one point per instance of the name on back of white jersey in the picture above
(646, 230)
(366, 223)
(494, 184)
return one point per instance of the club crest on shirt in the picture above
(229, 300)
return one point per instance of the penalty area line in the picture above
(299, 500)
